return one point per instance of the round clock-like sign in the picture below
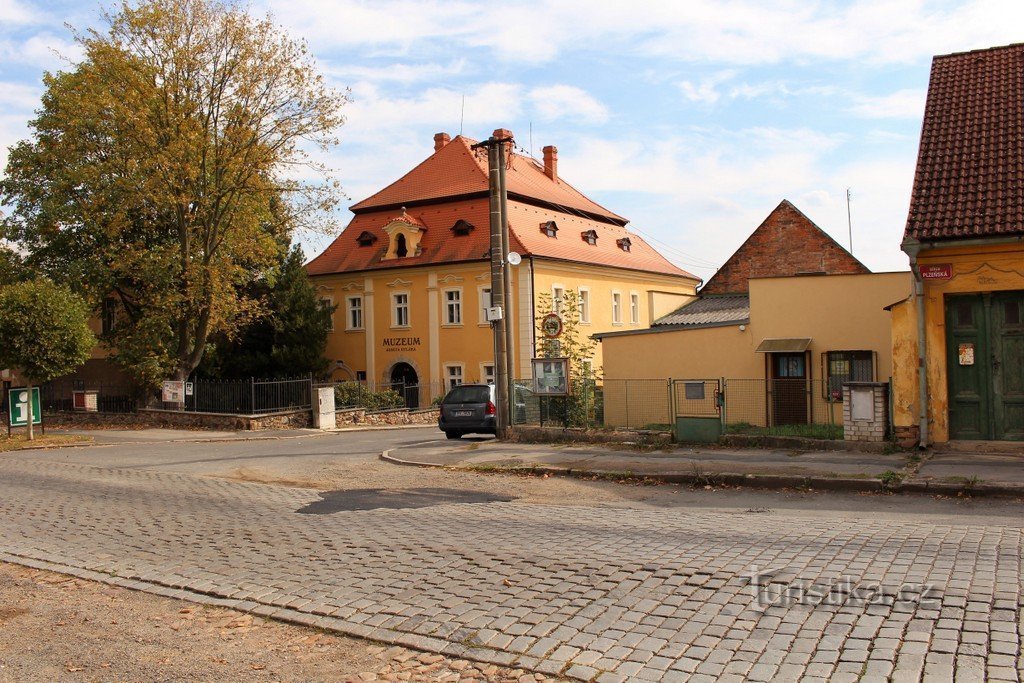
(551, 325)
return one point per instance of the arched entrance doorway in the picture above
(406, 382)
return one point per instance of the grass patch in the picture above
(811, 431)
(19, 441)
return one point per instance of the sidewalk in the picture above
(947, 473)
(110, 437)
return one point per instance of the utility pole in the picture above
(501, 380)
(506, 280)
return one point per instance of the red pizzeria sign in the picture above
(937, 271)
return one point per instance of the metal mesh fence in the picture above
(782, 407)
(696, 397)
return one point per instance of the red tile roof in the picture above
(452, 185)
(457, 170)
(970, 166)
(786, 243)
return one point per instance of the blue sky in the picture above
(693, 119)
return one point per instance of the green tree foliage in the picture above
(168, 167)
(12, 269)
(287, 340)
(579, 407)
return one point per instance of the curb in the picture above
(760, 481)
(231, 439)
(277, 612)
(74, 444)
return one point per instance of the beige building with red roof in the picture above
(958, 343)
(411, 280)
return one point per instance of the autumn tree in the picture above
(168, 169)
(578, 408)
(288, 339)
(44, 331)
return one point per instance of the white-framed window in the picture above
(354, 313)
(634, 308)
(400, 309)
(484, 296)
(453, 307)
(584, 304)
(557, 298)
(616, 308)
(487, 373)
(327, 303)
(452, 375)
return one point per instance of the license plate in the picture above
(463, 413)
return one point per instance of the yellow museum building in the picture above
(410, 275)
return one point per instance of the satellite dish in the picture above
(514, 258)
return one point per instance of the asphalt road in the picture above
(592, 579)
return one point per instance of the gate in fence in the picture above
(697, 409)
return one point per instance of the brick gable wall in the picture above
(787, 243)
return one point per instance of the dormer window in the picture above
(404, 237)
(590, 237)
(366, 239)
(549, 228)
(462, 228)
(624, 244)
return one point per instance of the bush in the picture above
(356, 395)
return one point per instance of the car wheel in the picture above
(452, 434)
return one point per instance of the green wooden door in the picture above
(985, 364)
(1007, 316)
(969, 382)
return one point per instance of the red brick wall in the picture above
(786, 243)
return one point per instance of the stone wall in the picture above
(151, 417)
(874, 428)
(400, 416)
(907, 437)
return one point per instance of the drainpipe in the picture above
(912, 248)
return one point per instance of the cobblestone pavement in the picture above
(589, 592)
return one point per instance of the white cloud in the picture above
(43, 51)
(567, 102)
(13, 13)
(707, 89)
(739, 32)
(487, 106)
(398, 72)
(906, 104)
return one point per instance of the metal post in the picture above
(672, 408)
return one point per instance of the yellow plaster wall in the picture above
(602, 282)
(976, 269)
(838, 313)
(904, 360)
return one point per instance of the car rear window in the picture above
(468, 395)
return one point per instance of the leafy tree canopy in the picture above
(44, 330)
(288, 340)
(169, 167)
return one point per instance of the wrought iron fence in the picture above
(58, 395)
(248, 396)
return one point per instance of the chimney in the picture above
(504, 134)
(551, 162)
(440, 140)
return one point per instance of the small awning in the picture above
(784, 345)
